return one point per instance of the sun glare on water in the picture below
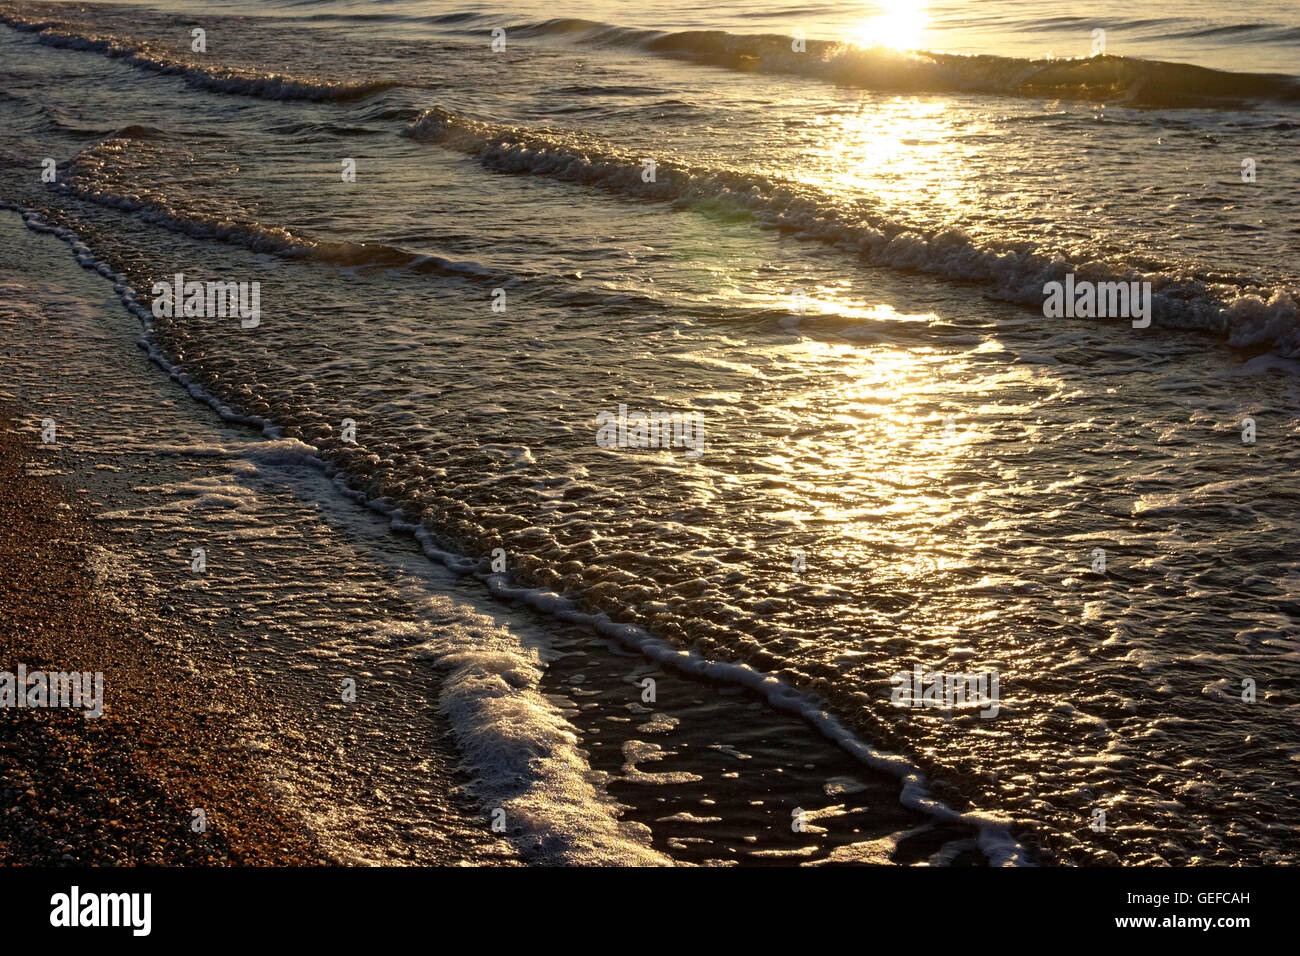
(899, 25)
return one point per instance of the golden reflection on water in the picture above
(882, 445)
(909, 152)
(899, 25)
(882, 429)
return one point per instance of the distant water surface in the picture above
(838, 265)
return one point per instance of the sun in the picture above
(899, 25)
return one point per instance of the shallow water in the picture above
(840, 268)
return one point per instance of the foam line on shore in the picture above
(494, 725)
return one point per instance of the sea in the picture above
(638, 409)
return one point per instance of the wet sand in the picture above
(303, 588)
(120, 789)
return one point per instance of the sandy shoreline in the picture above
(119, 789)
(302, 589)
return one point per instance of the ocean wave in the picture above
(273, 240)
(270, 86)
(252, 235)
(1126, 79)
(1246, 316)
(520, 747)
(524, 754)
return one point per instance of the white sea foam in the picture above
(522, 751)
(1243, 316)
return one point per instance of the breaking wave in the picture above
(1129, 79)
(270, 86)
(1246, 316)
